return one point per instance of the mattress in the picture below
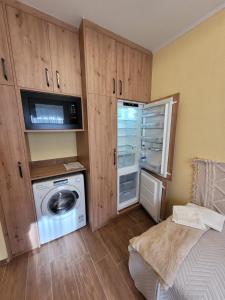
(201, 276)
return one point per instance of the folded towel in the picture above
(209, 217)
(188, 216)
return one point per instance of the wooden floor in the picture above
(81, 265)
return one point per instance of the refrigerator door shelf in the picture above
(155, 158)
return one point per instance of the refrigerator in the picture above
(145, 143)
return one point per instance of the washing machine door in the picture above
(60, 202)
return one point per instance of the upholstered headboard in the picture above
(209, 184)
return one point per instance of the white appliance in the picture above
(60, 206)
(143, 142)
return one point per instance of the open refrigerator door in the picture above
(156, 136)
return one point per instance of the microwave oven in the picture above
(44, 111)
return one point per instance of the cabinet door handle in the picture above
(47, 77)
(4, 69)
(58, 79)
(19, 164)
(114, 156)
(114, 86)
(121, 87)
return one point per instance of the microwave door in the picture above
(155, 137)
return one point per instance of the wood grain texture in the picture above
(4, 52)
(51, 171)
(39, 280)
(31, 50)
(16, 194)
(113, 282)
(67, 268)
(102, 142)
(133, 74)
(13, 285)
(94, 244)
(65, 57)
(89, 286)
(100, 56)
(64, 284)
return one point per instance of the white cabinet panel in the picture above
(151, 194)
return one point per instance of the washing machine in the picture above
(60, 206)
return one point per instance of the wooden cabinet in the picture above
(133, 73)
(100, 56)
(102, 147)
(30, 47)
(114, 68)
(65, 56)
(16, 196)
(6, 76)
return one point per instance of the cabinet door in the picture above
(100, 53)
(65, 56)
(133, 73)
(6, 76)
(102, 147)
(15, 186)
(31, 51)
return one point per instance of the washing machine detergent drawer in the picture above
(51, 228)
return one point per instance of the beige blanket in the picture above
(165, 247)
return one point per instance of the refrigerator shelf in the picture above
(152, 140)
(153, 115)
(126, 135)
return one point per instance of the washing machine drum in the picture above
(60, 202)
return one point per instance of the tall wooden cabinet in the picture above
(6, 76)
(102, 146)
(16, 197)
(112, 69)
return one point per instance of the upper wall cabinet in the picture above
(46, 56)
(100, 55)
(133, 73)
(115, 68)
(65, 56)
(5, 68)
(30, 46)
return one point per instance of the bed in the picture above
(202, 273)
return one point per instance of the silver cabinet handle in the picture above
(4, 69)
(114, 85)
(47, 77)
(19, 164)
(58, 79)
(121, 87)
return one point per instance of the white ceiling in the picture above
(150, 23)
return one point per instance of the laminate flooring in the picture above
(82, 265)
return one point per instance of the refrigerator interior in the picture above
(128, 188)
(128, 152)
(129, 131)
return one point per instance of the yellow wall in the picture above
(52, 145)
(194, 65)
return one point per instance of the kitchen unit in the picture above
(113, 68)
(145, 140)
